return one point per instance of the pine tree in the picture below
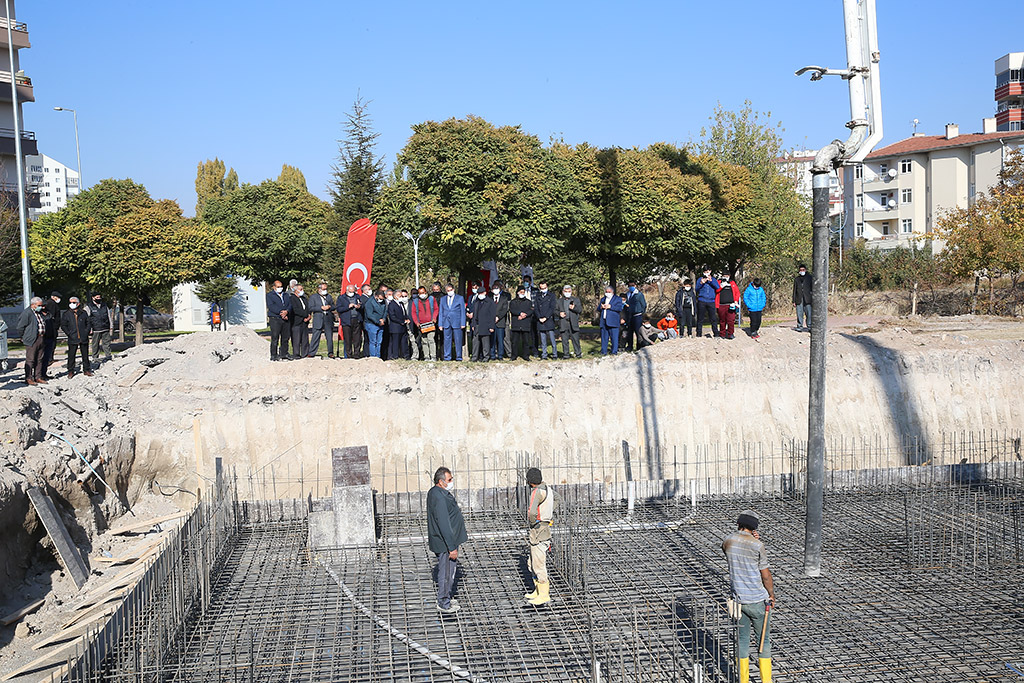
(359, 174)
(290, 175)
(209, 182)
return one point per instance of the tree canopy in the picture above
(290, 175)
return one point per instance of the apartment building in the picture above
(57, 183)
(796, 167)
(900, 191)
(23, 84)
(1010, 92)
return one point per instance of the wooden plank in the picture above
(27, 609)
(65, 633)
(135, 554)
(66, 549)
(147, 524)
(38, 663)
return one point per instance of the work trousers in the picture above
(755, 322)
(573, 337)
(633, 329)
(706, 316)
(82, 348)
(399, 348)
(726, 321)
(50, 347)
(539, 560)
(453, 343)
(300, 339)
(548, 337)
(314, 343)
(426, 342)
(609, 338)
(687, 321)
(498, 344)
(481, 347)
(374, 334)
(352, 338)
(521, 344)
(757, 616)
(35, 355)
(100, 338)
(446, 567)
(280, 332)
(803, 316)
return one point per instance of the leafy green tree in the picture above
(209, 182)
(231, 181)
(10, 257)
(275, 230)
(219, 290)
(290, 175)
(114, 238)
(744, 138)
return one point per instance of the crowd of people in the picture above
(498, 323)
(87, 328)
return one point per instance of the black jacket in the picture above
(446, 529)
(802, 289)
(517, 307)
(398, 320)
(52, 317)
(99, 317)
(502, 307)
(483, 316)
(75, 324)
(544, 307)
(299, 309)
(685, 301)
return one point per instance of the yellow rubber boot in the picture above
(543, 593)
(744, 663)
(533, 595)
(765, 664)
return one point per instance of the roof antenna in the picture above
(915, 122)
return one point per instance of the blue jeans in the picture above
(374, 334)
(609, 334)
(446, 579)
(452, 337)
(548, 337)
(754, 615)
(803, 315)
(498, 344)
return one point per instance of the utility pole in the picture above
(865, 126)
(26, 274)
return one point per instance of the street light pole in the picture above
(416, 250)
(26, 274)
(78, 150)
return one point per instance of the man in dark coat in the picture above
(75, 324)
(609, 317)
(278, 307)
(32, 330)
(544, 312)
(636, 308)
(802, 286)
(485, 314)
(398, 327)
(350, 321)
(52, 308)
(101, 326)
(299, 314)
(322, 306)
(567, 312)
(501, 300)
(521, 324)
(446, 531)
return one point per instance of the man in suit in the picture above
(544, 312)
(375, 312)
(299, 314)
(278, 307)
(471, 299)
(437, 293)
(398, 327)
(446, 531)
(636, 308)
(322, 306)
(32, 330)
(484, 317)
(609, 314)
(501, 301)
(350, 320)
(567, 312)
(451, 317)
(75, 323)
(521, 325)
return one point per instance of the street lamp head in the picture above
(406, 234)
(58, 108)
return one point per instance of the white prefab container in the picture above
(248, 307)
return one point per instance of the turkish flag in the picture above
(362, 237)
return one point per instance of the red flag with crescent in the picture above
(362, 237)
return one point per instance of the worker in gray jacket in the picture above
(542, 507)
(446, 531)
(567, 312)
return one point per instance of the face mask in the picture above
(543, 290)
(521, 295)
(56, 301)
(423, 295)
(647, 324)
(687, 288)
(803, 272)
(450, 486)
(72, 306)
(451, 292)
(481, 296)
(496, 291)
(404, 299)
(474, 290)
(632, 289)
(390, 298)
(278, 289)
(323, 292)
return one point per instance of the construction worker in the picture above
(752, 588)
(542, 505)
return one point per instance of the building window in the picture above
(883, 170)
(1015, 125)
(971, 191)
(859, 201)
(858, 171)
(905, 196)
(885, 227)
(907, 225)
(884, 199)
(858, 230)
(906, 166)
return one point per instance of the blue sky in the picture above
(161, 86)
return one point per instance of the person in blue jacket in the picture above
(451, 318)
(609, 315)
(278, 307)
(707, 290)
(636, 307)
(754, 299)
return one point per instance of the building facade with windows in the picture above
(56, 182)
(796, 167)
(900, 191)
(23, 85)
(1010, 92)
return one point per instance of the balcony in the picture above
(19, 34)
(9, 195)
(1009, 89)
(877, 183)
(24, 83)
(877, 213)
(28, 142)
